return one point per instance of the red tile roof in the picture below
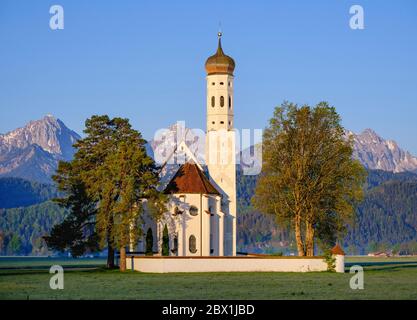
(337, 250)
(190, 179)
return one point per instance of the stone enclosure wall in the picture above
(157, 264)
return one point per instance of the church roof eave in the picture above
(190, 179)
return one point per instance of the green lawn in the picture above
(28, 278)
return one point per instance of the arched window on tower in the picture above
(230, 102)
(221, 101)
(213, 101)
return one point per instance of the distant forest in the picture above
(385, 221)
(17, 192)
(21, 229)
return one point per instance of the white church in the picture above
(199, 178)
(201, 216)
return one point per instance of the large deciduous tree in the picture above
(309, 177)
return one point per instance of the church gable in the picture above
(190, 179)
(180, 155)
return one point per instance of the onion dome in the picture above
(219, 63)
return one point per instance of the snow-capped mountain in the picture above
(370, 149)
(33, 151)
(375, 152)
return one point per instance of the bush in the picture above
(330, 260)
(149, 243)
(165, 242)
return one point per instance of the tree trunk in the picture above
(110, 256)
(309, 239)
(298, 236)
(122, 262)
(110, 249)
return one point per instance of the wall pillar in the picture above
(233, 235)
(183, 246)
(205, 237)
(340, 263)
(220, 219)
(339, 255)
(221, 233)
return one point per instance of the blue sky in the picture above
(144, 60)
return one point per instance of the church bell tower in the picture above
(221, 140)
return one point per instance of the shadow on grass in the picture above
(42, 271)
(46, 267)
(383, 266)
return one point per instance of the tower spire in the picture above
(220, 63)
(219, 46)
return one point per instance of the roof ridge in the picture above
(203, 179)
(190, 179)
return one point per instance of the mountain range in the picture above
(378, 154)
(33, 151)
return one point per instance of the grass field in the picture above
(28, 278)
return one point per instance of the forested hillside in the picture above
(17, 192)
(21, 229)
(26, 214)
(385, 220)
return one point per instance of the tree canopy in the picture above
(309, 178)
(105, 184)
